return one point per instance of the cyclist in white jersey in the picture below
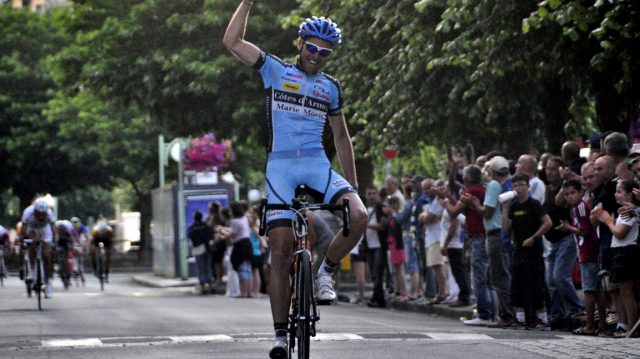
(38, 223)
(300, 99)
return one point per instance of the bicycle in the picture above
(33, 284)
(78, 265)
(65, 266)
(100, 263)
(303, 312)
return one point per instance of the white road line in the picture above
(336, 337)
(458, 336)
(91, 342)
(201, 338)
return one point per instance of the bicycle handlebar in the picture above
(297, 205)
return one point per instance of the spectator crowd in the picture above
(537, 243)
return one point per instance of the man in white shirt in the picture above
(431, 217)
(528, 165)
(392, 186)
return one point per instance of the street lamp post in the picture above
(175, 148)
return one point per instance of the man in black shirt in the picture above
(563, 254)
(528, 221)
(200, 234)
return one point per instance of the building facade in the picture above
(37, 5)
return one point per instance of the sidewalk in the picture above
(346, 293)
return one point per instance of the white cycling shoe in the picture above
(326, 294)
(280, 349)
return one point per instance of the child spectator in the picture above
(589, 250)
(528, 222)
(624, 255)
(391, 207)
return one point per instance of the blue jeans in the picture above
(499, 267)
(412, 264)
(561, 259)
(480, 269)
(203, 267)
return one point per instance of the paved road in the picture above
(132, 321)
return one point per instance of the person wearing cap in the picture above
(497, 253)
(634, 151)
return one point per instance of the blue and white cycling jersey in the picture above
(298, 105)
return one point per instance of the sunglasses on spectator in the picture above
(313, 48)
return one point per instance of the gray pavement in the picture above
(166, 320)
(347, 292)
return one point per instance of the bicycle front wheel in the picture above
(303, 297)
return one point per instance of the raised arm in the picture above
(234, 36)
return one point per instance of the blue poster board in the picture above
(200, 202)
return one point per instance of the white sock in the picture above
(520, 317)
(543, 317)
(327, 267)
(622, 326)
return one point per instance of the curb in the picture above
(437, 309)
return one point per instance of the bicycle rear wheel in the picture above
(303, 298)
(100, 269)
(38, 287)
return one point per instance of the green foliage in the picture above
(425, 160)
(35, 158)
(86, 202)
(87, 89)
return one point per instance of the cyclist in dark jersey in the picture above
(300, 99)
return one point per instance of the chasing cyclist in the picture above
(102, 232)
(300, 100)
(80, 242)
(38, 224)
(64, 245)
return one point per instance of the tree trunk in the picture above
(555, 106)
(144, 206)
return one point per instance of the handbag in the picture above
(198, 250)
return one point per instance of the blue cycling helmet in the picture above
(321, 28)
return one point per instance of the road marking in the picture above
(91, 342)
(336, 337)
(201, 338)
(458, 336)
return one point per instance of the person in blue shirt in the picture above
(299, 100)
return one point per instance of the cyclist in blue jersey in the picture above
(300, 99)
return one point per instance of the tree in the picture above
(144, 68)
(601, 43)
(35, 159)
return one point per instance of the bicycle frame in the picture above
(38, 281)
(304, 313)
